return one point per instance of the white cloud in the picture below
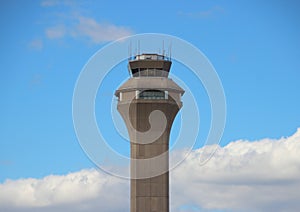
(57, 31)
(243, 176)
(89, 29)
(99, 32)
(73, 24)
(79, 191)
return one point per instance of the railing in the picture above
(150, 57)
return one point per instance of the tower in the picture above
(148, 103)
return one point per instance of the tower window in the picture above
(152, 94)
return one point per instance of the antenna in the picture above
(130, 50)
(163, 48)
(138, 47)
(129, 71)
(170, 50)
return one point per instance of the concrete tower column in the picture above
(148, 102)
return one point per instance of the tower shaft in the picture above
(152, 193)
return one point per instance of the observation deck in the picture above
(149, 65)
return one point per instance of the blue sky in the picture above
(253, 45)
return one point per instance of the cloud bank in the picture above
(86, 190)
(261, 175)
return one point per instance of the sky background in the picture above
(253, 45)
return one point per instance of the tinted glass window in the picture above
(152, 94)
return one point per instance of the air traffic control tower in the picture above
(148, 103)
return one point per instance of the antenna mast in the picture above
(163, 48)
(138, 47)
(170, 50)
(130, 50)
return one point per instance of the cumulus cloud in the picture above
(76, 25)
(260, 175)
(89, 29)
(57, 31)
(99, 32)
(85, 190)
